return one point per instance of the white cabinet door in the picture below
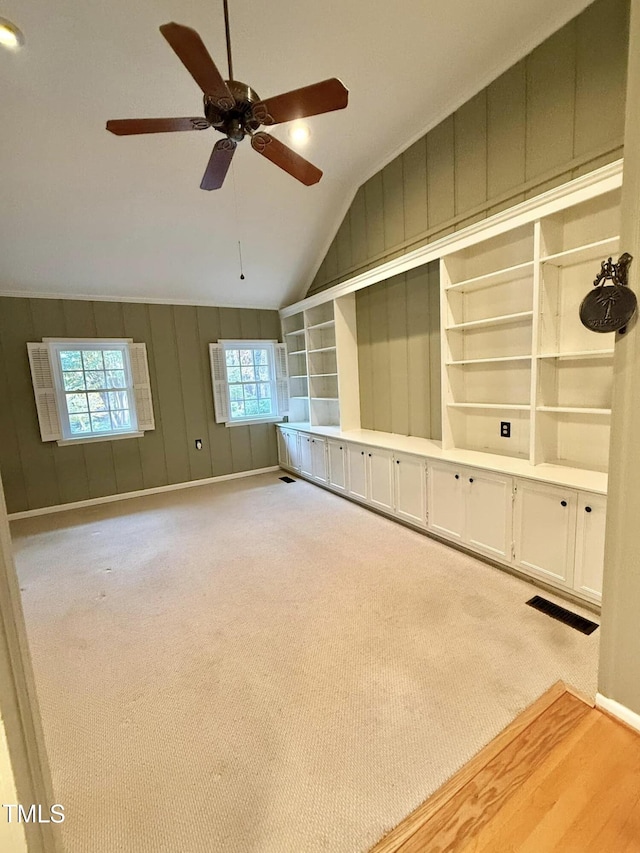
(410, 474)
(292, 439)
(446, 500)
(380, 476)
(283, 452)
(337, 460)
(592, 510)
(319, 459)
(488, 513)
(544, 530)
(357, 471)
(306, 462)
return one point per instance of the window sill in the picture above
(68, 442)
(251, 421)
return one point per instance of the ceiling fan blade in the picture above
(312, 100)
(218, 164)
(195, 57)
(289, 160)
(129, 126)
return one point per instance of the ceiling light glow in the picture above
(10, 35)
(299, 134)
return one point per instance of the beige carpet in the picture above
(268, 668)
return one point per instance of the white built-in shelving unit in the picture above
(513, 347)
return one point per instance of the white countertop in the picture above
(574, 478)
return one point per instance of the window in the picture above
(249, 381)
(91, 390)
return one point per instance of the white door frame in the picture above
(19, 705)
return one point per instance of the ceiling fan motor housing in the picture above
(239, 120)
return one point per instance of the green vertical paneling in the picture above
(414, 175)
(506, 115)
(230, 328)
(40, 474)
(397, 354)
(343, 242)
(358, 217)
(379, 330)
(602, 33)
(192, 386)
(219, 444)
(331, 261)
(170, 401)
(440, 172)
(374, 204)
(551, 84)
(418, 352)
(434, 427)
(470, 146)
(151, 447)
(393, 203)
(10, 461)
(365, 373)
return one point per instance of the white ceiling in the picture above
(85, 213)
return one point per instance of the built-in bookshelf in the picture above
(513, 347)
(514, 353)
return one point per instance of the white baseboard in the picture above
(107, 499)
(621, 712)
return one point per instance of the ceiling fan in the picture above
(235, 110)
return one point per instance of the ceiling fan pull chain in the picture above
(228, 34)
(240, 254)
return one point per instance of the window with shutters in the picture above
(91, 390)
(249, 381)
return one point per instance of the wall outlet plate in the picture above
(198, 444)
(505, 429)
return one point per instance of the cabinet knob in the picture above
(397, 461)
(471, 479)
(563, 503)
(340, 447)
(369, 454)
(587, 509)
(457, 476)
(362, 453)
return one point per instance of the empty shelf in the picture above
(493, 321)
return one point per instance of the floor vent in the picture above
(581, 624)
(287, 480)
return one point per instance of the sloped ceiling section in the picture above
(85, 213)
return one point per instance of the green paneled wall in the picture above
(555, 115)
(398, 324)
(37, 474)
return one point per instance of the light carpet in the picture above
(267, 668)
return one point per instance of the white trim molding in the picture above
(620, 712)
(141, 493)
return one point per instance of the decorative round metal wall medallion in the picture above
(608, 308)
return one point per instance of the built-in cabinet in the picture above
(526, 389)
(548, 532)
(473, 507)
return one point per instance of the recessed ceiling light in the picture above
(10, 35)
(299, 134)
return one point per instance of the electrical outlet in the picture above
(198, 444)
(505, 429)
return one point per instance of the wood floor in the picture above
(563, 778)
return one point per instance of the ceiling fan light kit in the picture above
(235, 110)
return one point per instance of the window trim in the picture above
(269, 344)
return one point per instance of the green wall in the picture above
(37, 474)
(398, 322)
(553, 116)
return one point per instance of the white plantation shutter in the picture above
(44, 391)
(282, 379)
(141, 386)
(219, 380)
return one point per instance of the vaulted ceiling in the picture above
(86, 213)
